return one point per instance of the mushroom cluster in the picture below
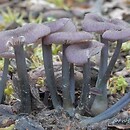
(77, 49)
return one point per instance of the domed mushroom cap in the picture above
(55, 25)
(114, 35)
(96, 23)
(80, 53)
(31, 32)
(8, 54)
(69, 26)
(67, 37)
(63, 24)
(119, 22)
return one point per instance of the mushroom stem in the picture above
(4, 78)
(67, 102)
(49, 71)
(72, 83)
(102, 70)
(23, 79)
(96, 106)
(109, 112)
(103, 61)
(86, 88)
(111, 65)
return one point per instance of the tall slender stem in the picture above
(67, 102)
(109, 112)
(72, 83)
(102, 68)
(49, 71)
(86, 87)
(111, 65)
(23, 78)
(4, 78)
(100, 102)
(103, 61)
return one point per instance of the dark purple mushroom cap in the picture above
(7, 54)
(63, 24)
(31, 32)
(119, 22)
(80, 53)
(96, 23)
(69, 26)
(54, 25)
(114, 35)
(67, 37)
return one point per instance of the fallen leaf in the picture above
(11, 127)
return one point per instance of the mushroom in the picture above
(98, 24)
(120, 23)
(60, 25)
(112, 35)
(55, 25)
(85, 50)
(16, 38)
(69, 27)
(66, 38)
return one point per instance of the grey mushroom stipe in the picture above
(110, 112)
(83, 103)
(67, 99)
(103, 61)
(102, 69)
(49, 71)
(72, 83)
(4, 78)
